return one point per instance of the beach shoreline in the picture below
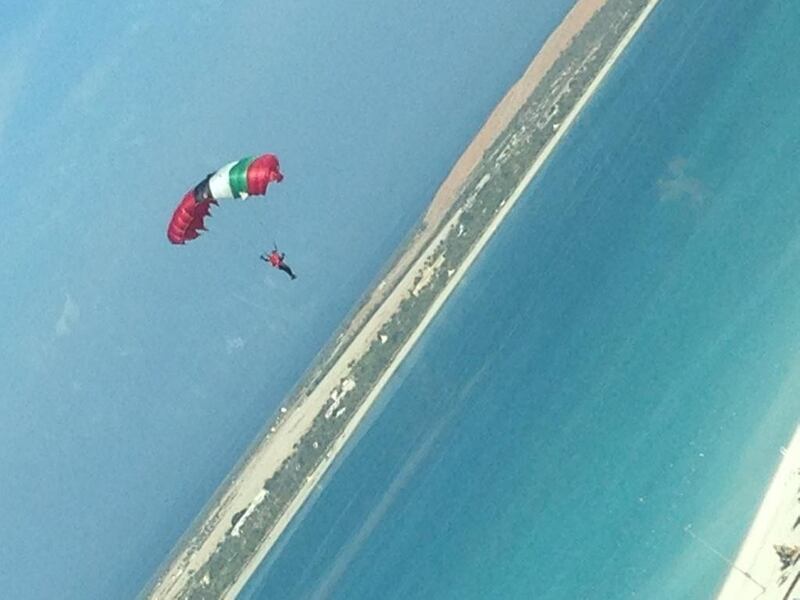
(756, 571)
(244, 490)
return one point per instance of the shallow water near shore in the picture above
(621, 361)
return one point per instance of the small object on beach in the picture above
(788, 555)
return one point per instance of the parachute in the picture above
(239, 179)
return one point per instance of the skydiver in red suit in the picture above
(275, 259)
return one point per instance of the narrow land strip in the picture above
(438, 303)
(221, 539)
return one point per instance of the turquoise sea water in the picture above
(621, 361)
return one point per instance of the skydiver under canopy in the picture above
(275, 259)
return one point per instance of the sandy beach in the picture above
(497, 121)
(757, 571)
(246, 488)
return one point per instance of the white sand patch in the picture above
(757, 571)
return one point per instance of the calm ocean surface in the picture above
(622, 360)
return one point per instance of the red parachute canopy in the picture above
(239, 179)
